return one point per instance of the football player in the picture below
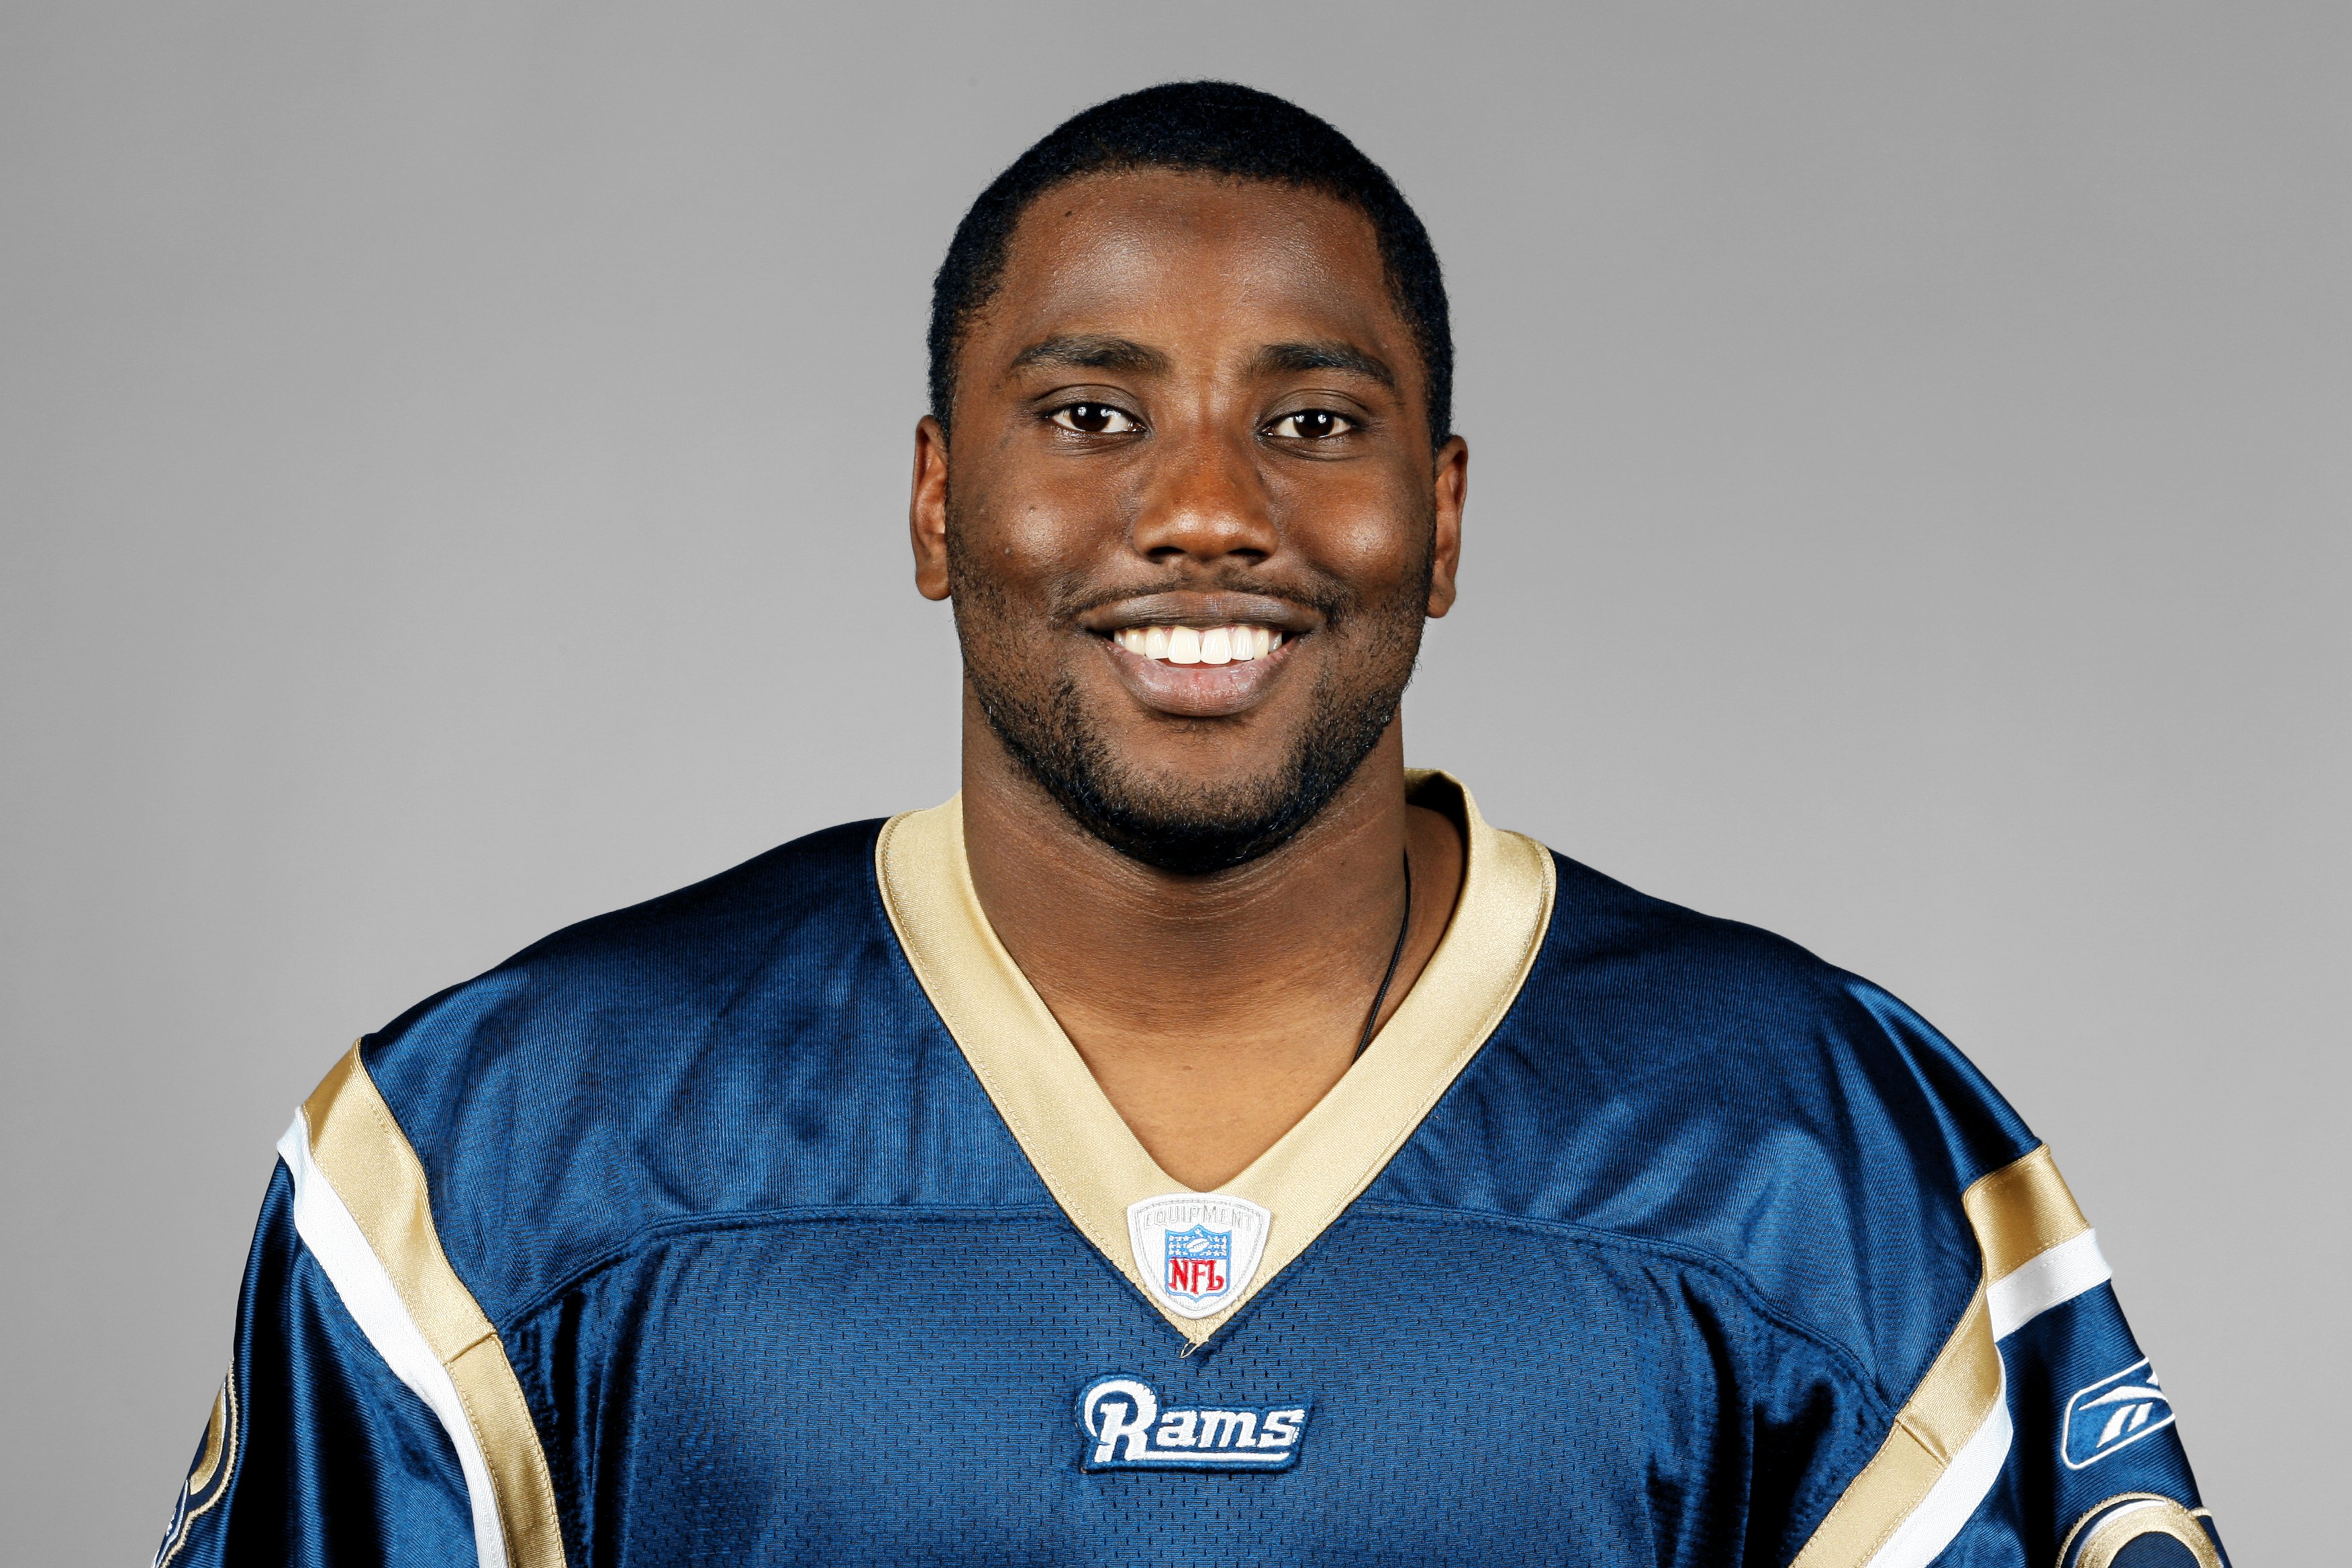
(1203, 1139)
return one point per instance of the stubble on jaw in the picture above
(1204, 823)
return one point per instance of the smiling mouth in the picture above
(1235, 643)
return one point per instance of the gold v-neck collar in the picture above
(1079, 1145)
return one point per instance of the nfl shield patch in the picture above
(1197, 1251)
(1199, 1262)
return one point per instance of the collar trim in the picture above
(1079, 1146)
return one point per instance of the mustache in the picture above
(1326, 599)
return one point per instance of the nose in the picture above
(1206, 501)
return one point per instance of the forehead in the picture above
(1176, 254)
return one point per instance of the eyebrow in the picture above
(1276, 359)
(1090, 351)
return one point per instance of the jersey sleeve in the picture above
(2041, 1433)
(370, 1414)
(316, 1453)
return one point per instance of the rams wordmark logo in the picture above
(1125, 1427)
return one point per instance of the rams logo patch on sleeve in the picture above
(2141, 1529)
(208, 1478)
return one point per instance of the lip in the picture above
(1200, 691)
(1197, 691)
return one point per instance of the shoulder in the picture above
(1714, 1017)
(753, 1044)
(810, 894)
(763, 933)
(1695, 1085)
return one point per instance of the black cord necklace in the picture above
(1396, 956)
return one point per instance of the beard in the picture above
(1197, 826)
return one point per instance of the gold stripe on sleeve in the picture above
(2022, 1211)
(1942, 1414)
(2018, 1212)
(365, 1156)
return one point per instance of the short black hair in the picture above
(1206, 127)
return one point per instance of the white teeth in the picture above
(1196, 645)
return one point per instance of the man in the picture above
(1203, 1139)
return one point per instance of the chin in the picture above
(1187, 797)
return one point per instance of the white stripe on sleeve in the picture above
(1953, 1501)
(334, 1238)
(2016, 1299)
(2052, 1279)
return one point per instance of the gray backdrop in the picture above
(453, 468)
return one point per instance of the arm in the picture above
(2039, 1434)
(370, 1415)
(316, 1454)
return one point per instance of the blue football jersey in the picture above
(777, 1221)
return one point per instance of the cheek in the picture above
(1010, 583)
(1033, 538)
(1359, 536)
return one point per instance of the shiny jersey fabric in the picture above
(1685, 1267)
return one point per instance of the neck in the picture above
(1214, 1010)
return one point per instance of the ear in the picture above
(927, 510)
(1453, 488)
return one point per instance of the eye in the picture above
(1095, 420)
(1311, 425)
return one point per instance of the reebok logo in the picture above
(2114, 1413)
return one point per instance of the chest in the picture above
(869, 1386)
